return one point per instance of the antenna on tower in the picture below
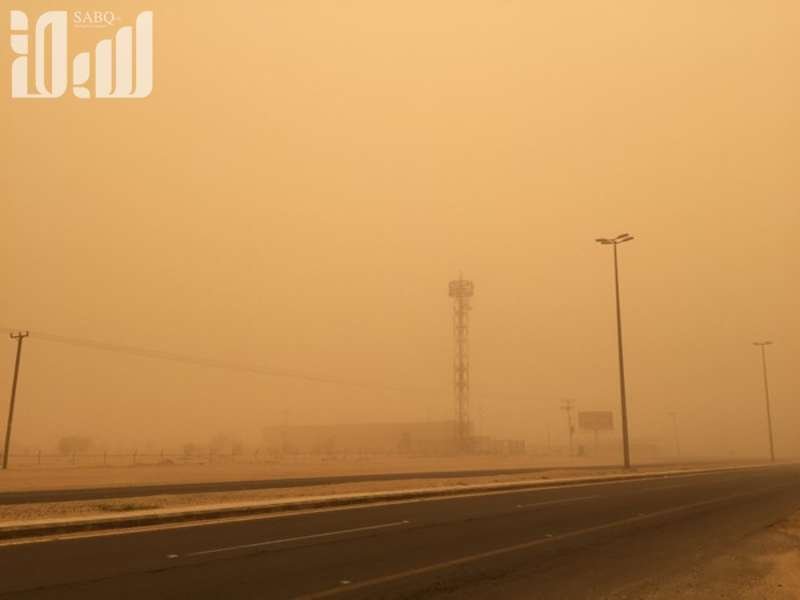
(461, 291)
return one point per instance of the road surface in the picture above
(580, 541)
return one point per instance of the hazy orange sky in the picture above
(307, 176)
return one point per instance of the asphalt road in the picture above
(582, 541)
(102, 493)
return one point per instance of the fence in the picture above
(39, 459)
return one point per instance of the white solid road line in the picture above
(667, 487)
(291, 539)
(530, 544)
(658, 488)
(550, 502)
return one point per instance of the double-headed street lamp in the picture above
(763, 346)
(626, 451)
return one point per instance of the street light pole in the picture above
(567, 405)
(626, 451)
(19, 336)
(763, 346)
(675, 433)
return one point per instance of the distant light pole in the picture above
(763, 346)
(567, 405)
(19, 336)
(675, 433)
(626, 451)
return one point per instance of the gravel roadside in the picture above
(763, 566)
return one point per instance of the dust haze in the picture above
(289, 205)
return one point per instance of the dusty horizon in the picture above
(305, 180)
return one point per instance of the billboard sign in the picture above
(596, 420)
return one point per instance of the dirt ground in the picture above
(26, 479)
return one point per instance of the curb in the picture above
(163, 517)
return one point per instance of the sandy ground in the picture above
(764, 566)
(57, 510)
(25, 479)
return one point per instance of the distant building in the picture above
(436, 438)
(489, 445)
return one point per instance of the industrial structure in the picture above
(461, 291)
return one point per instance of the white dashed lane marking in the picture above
(291, 539)
(553, 502)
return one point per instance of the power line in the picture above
(219, 364)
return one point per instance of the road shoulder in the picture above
(761, 566)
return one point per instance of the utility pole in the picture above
(626, 450)
(19, 336)
(763, 346)
(567, 405)
(285, 432)
(675, 434)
